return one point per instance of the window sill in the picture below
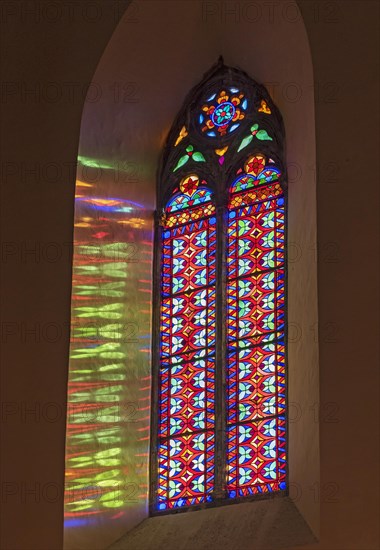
(265, 524)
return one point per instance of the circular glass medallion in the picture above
(223, 114)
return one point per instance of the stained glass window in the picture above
(256, 455)
(187, 328)
(219, 371)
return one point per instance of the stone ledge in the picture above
(262, 525)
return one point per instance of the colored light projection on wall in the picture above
(186, 376)
(107, 426)
(256, 454)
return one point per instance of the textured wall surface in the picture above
(39, 210)
(347, 230)
(121, 138)
(49, 56)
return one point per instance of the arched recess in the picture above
(156, 55)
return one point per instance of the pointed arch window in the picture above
(219, 346)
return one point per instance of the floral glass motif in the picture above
(198, 464)
(186, 378)
(223, 112)
(192, 203)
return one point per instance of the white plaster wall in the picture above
(157, 53)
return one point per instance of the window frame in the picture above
(166, 183)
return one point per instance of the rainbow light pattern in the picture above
(108, 404)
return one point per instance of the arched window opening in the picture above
(187, 330)
(219, 346)
(256, 456)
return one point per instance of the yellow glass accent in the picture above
(264, 108)
(221, 152)
(222, 97)
(183, 133)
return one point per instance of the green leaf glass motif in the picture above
(195, 155)
(246, 141)
(262, 135)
